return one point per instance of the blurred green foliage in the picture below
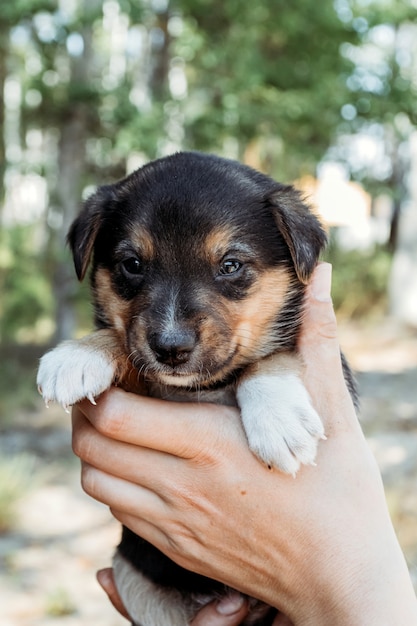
(18, 365)
(359, 282)
(26, 292)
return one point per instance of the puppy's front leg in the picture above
(281, 425)
(82, 368)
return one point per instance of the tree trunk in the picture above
(71, 164)
(160, 57)
(69, 184)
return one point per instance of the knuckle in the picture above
(82, 443)
(78, 442)
(89, 480)
(111, 420)
(182, 544)
(107, 424)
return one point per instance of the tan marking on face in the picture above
(254, 316)
(116, 309)
(143, 242)
(217, 243)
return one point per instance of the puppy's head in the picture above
(199, 263)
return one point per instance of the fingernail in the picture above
(321, 283)
(230, 604)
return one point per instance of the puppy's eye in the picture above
(132, 266)
(230, 266)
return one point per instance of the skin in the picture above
(320, 547)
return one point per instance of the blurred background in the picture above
(320, 94)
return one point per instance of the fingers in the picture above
(228, 611)
(136, 507)
(105, 460)
(106, 581)
(126, 460)
(122, 495)
(140, 421)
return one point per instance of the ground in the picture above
(61, 537)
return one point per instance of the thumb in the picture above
(106, 580)
(229, 611)
(320, 351)
(319, 329)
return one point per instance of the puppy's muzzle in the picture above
(173, 347)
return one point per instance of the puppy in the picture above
(199, 269)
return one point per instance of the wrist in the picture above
(355, 591)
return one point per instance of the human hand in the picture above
(228, 611)
(321, 547)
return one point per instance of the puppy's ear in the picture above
(301, 229)
(83, 231)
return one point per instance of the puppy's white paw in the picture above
(73, 371)
(281, 425)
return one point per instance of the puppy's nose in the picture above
(173, 348)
